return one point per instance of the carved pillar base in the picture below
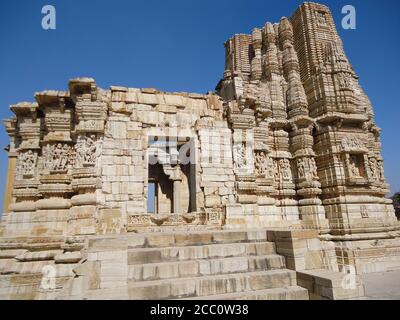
(25, 194)
(53, 209)
(367, 253)
(176, 194)
(359, 214)
(83, 216)
(12, 163)
(288, 209)
(51, 216)
(312, 215)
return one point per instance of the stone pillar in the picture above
(90, 110)
(10, 125)
(243, 122)
(308, 187)
(286, 193)
(176, 194)
(12, 163)
(56, 161)
(24, 134)
(256, 64)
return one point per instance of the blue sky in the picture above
(177, 45)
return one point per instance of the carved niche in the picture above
(321, 18)
(345, 82)
(355, 166)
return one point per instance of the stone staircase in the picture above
(25, 262)
(207, 264)
(180, 265)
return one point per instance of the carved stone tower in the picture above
(293, 86)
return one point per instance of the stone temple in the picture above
(271, 187)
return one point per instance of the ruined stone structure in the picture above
(137, 193)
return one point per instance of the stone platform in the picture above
(381, 286)
(206, 265)
(212, 264)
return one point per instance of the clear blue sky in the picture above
(177, 45)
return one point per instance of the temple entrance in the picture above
(160, 191)
(171, 176)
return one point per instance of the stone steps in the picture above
(214, 264)
(210, 251)
(27, 287)
(286, 293)
(195, 268)
(197, 238)
(211, 285)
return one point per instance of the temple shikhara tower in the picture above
(271, 187)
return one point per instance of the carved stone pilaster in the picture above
(90, 115)
(28, 125)
(54, 156)
(83, 215)
(11, 128)
(25, 145)
(58, 115)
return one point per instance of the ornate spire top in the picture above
(285, 31)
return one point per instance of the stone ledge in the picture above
(330, 285)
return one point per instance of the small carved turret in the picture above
(271, 62)
(256, 63)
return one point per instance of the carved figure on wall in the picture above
(264, 165)
(27, 163)
(57, 157)
(300, 168)
(241, 160)
(351, 142)
(284, 166)
(270, 167)
(344, 82)
(47, 152)
(313, 168)
(353, 167)
(381, 173)
(261, 164)
(321, 18)
(276, 170)
(86, 151)
(364, 211)
(373, 167)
